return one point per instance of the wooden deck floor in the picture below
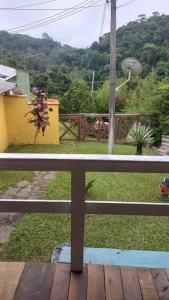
(40, 281)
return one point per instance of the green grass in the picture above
(37, 234)
(10, 178)
(92, 147)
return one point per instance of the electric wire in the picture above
(46, 9)
(34, 4)
(122, 5)
(50, 18)
(103, 19)
(126, 3)
(46, 23)
(43, 19)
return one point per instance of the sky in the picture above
(78, 30)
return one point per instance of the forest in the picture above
(66, 72)
(147, 39)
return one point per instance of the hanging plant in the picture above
(40, 111)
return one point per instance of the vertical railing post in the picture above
(77, 218)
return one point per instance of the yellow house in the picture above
(14, 126)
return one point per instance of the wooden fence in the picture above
(78, 165)
(83, 126)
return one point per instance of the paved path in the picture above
(24, 189)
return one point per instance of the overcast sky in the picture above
(81, 29)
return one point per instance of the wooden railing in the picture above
(78, 165)
(86, 125)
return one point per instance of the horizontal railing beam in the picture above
(35, 206)
(93, 163)
(91, 207)
(127, 208)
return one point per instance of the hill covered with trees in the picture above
(147, 39)
(66, 72)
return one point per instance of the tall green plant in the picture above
(78, 99)
(140, 136)
(144, 94)
(162, 106)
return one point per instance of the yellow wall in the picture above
(19, 131)
(3, 126)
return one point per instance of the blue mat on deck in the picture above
(104, 256)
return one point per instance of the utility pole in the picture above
(30, 56)
(112, 77)
(93, 77)
(25, 69)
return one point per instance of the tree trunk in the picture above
(139, 149)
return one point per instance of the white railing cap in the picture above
(84, 157)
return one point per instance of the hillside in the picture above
(147, 39)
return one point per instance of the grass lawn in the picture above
(10, 178)
(37, 234)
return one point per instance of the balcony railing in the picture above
(78, 165)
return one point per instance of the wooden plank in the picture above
(41, 206)
(90, 207)
(61, 281)
(113, 283)
(10, 273)
(131, 287)
(88, 162)
(77, 218)
(78, 285)
(36, 282)
(126, 208)
(167, 272)
(161, 282)
(96, 287)
(147, 284)
(68, 128)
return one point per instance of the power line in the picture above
(103, 19)
(47, 9)
(50, 17)
(126, 3)
(122, 5)
(47, 22)
(43, 19)
(34, 4)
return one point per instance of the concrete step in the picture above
(164, 148)
(165, 141)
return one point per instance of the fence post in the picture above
(78, 127)
(77, 218)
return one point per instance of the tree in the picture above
(142, 18)
(146, 39)
(55, 82)
(144, 94)
(103, 98)
(151, 52)
(162, 106)
(78, 99)
(46, 36)
(59, 80)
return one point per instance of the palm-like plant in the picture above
(140, 136)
